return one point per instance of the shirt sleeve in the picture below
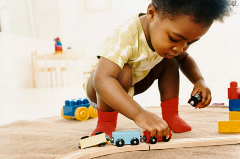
(118, 48)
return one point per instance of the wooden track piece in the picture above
(174, 143)
(110, 149)
(197, 142)
(101, 151)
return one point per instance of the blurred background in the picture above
(30, 26)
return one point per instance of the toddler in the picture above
(151, 47)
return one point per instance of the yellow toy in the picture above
(99, 139)
(234, 115)
(80, 109)
(233, 125)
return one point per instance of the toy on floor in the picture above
(233, 125)
(99, 139)
(153, 140)
(58, 46)
(80, 109)
(121, 138)
(194, 100)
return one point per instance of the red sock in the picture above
(170, 115)
(107, 122)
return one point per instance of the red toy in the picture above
(153, 140)
(58, 46)
(233, 91)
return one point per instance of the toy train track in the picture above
(174, 143)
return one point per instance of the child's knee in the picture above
(125, 77)
(90, 91)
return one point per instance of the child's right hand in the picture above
(152, 123)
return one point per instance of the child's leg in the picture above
(167, 73)
(107, 117)
(168, 84)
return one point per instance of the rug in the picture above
(55, 136)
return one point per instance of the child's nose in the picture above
(180, 49)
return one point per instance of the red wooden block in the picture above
(233, 91)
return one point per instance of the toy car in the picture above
(153, 140)
(194, 100)
(80, 109)
(99, 139)
(121, 138)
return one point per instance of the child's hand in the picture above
(152, 123)
(201, 87)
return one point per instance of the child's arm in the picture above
(111, 92)
(190, 69)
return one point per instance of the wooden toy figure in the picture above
(58, 46)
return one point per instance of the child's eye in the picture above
(174, 40)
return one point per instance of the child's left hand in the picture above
(201, 87)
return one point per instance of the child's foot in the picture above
(107, 122)
(177, 124)
(170, 115)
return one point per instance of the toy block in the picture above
(234, 115)
(234, 104)
(71, 105)
(232, 126)
(233, 91)
(58, 46)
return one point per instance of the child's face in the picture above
(170, 38)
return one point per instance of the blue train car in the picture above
(121, 138)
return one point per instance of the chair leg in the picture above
(56, 78)
(51, 77)
(62, 77)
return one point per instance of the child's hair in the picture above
(203, 11)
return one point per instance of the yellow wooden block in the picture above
(232, 126)
(234, 115)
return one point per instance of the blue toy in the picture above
(58, 46)
(234, 104)
(80, 109)
(121, 138)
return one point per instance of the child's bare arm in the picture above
(111, 92)
(190, 69)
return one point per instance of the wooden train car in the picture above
(99, 139)
(152, 140)
(121, 138)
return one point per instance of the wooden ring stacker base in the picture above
(174, 143)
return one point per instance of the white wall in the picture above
(15, 59)
(87, 30)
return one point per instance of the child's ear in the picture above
(151, 12)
